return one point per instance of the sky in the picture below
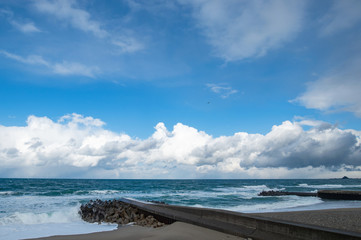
(180, 89)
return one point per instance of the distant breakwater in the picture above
(115, 211)
(325, 194)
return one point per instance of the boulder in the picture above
(116, 211)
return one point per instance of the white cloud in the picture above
(342, 15)
(64, 68)
(128, 44)
(32, 59)
(76, 17)
(337, 91)
(28, 27)
(77, 119)
(25, 27)
(73, 68)
(246, 29)
(223, 90)
(81, 145)
(6, 13)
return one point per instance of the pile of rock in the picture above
(116, 211)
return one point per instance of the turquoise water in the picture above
(41, 207)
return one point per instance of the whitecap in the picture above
(63, 216)
(287, 203)
(7, 193)
(104, 192)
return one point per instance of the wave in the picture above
(242, 189)
(8, 193)
(288, 203)
(243, 192)
(246, 192)
(103, 192)
(61, 216)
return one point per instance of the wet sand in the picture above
(175, 231)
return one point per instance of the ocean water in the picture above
(43, 207)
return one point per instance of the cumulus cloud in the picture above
(223, 90)
(81, 145)
(64, 68)
(247, 29)
(342, 15)
(336, 91)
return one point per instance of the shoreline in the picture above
(343, 220)
(177, 230)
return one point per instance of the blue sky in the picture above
(217, 67)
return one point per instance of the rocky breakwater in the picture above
(281, 193)
(115, 211)
(324, 194)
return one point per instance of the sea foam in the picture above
(30, 225)
(29, 218)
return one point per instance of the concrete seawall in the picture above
(241, 224)
(324, 194)
(339, 194)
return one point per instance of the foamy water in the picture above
(16, 231)
(52, 219)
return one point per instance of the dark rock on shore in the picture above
(115, 211)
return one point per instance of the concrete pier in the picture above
(244, 225)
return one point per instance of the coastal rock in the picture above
(116, 211)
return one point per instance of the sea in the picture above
(32, 208)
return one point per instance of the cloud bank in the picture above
(240, 30)
(77, 146)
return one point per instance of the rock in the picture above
(116, 211)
